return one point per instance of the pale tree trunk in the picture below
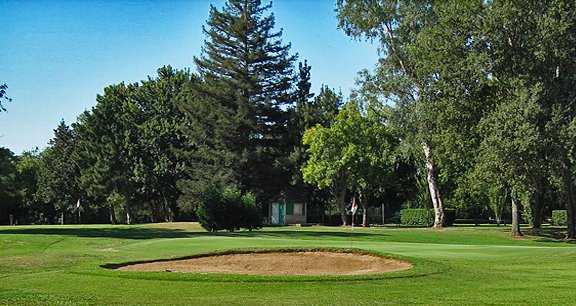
(341, 199)
(62, 218)
(128, 220)
(112, 214)
(498, 216)
(433, 187)
(515, 218)
(169, 213)
(364, 209)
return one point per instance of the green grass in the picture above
(61, 265)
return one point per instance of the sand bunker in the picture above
(279, 263)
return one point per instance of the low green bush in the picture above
(226, 208)
(425, 217)
(416, 217)
(559, 217)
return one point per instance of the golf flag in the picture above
(354, 206)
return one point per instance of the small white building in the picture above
(287, 210)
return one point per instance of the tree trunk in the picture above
(128, 220)
(112, 214)
(570, 201)
(515, 218)
(536, 206)
(341, 199)
(62, 218)
(433, 187)
(169, 213)
(498, 217)
(364, 209)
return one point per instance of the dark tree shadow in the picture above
(157, 233)
(550, 234)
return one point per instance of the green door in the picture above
(281, 214)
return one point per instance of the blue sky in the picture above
(56, 56)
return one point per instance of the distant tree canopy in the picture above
(470, 81)
(470, 107)
(355, 153)
(248, 72)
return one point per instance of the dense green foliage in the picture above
(469, 111)
(559, 217)
(355, 153)
(416, 216)
(425, 217)
(486, 90)
(226, 208)
(249, 73)
(60, 265)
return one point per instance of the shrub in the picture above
(425, 217)
(559, 217)
(226, 208)
(416, 216)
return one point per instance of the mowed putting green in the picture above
(70, 265)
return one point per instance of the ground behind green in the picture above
(60, 265)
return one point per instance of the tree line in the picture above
(471, 107)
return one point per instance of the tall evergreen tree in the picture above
(8, 192)
(301, 119)
(157, 165)
(208, 130)
(108, 138)
(249, 71)
(59, 177)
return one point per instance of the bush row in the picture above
(559, 217)
(425, 217)
(226, 208)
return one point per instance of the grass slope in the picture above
(60, 265)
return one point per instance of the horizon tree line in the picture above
(470, 107)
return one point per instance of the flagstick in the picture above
(353, 208)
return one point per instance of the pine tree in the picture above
(157, 165)
(249, 72)
(301, 119)
(108, 138)
(303, 95)
(59, 177)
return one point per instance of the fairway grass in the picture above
(62, 265)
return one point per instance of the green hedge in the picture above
(416, 217)
(425, 217)
(226, 208)
(559, 217)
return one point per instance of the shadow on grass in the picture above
(550, 234)
(157, 233)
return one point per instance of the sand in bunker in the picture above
(279, 263)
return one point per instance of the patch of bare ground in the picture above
(279, 263)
